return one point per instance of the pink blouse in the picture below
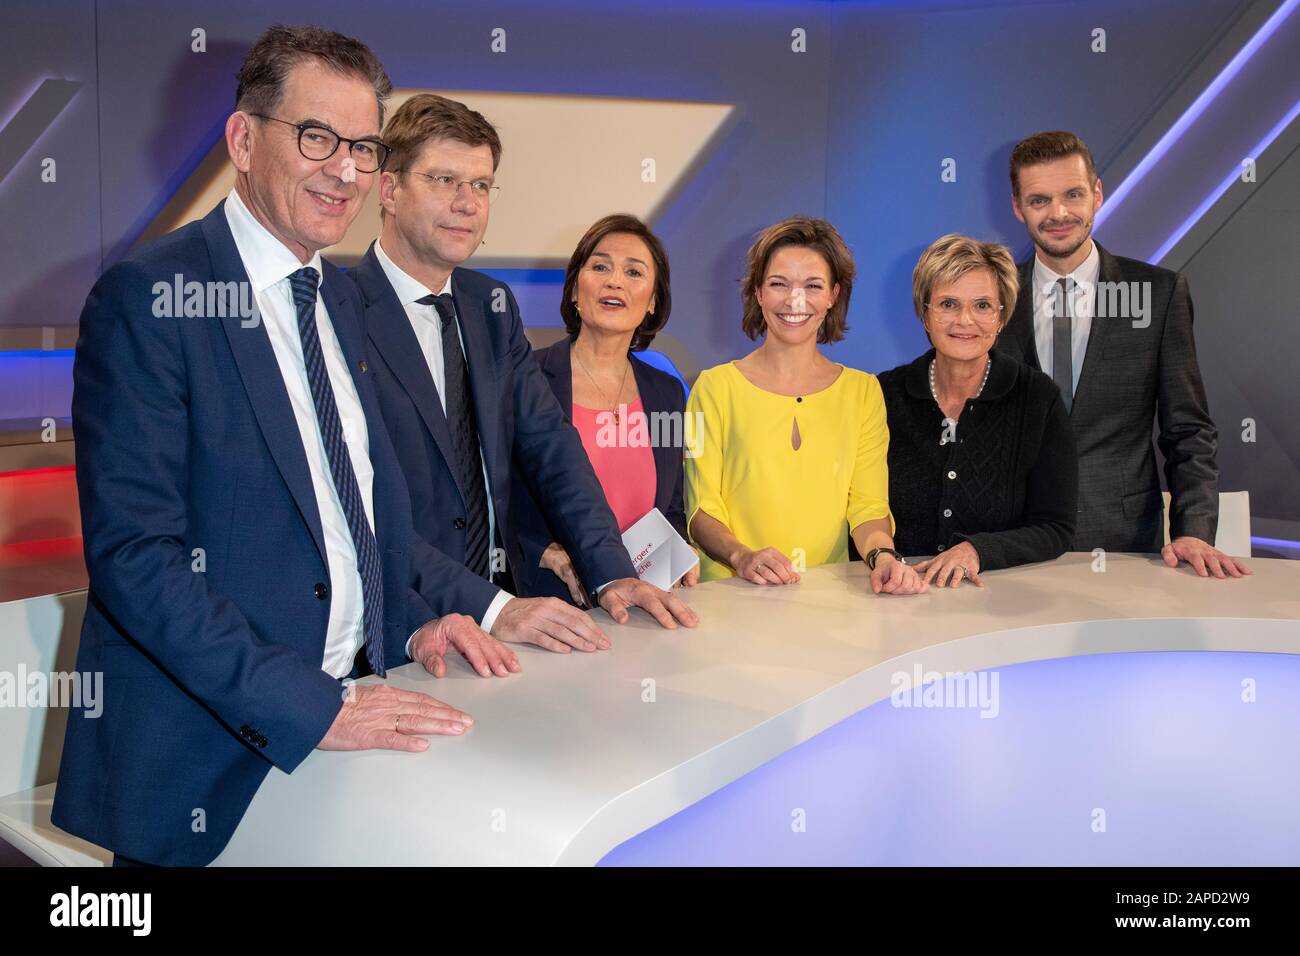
(622, 458)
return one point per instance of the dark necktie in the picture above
(1062, 358)
(304, 283)
(459, 396)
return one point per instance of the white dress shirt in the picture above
(269, 264)
(1085, 287)
(427, 325)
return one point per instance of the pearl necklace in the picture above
(950, 424)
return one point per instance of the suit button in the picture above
(321, 590)
(458, 524)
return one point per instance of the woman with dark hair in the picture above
(787, 463)
(616, 298)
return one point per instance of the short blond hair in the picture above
(952, 256)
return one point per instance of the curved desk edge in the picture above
(656, 800)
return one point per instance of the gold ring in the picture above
(397, 723)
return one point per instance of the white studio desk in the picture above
(571, 758)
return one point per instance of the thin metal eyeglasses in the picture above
(448, 186)
(949, 309)
(320, 143)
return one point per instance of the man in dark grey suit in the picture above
(1116, 335)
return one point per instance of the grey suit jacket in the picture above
(1135, 370)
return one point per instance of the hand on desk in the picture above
(1205, 558)
(485, 653)
(949, 568)
(765, 566)
(556, 560)
(664, 606)
(892, 576)
(381, 717)
(549, 623)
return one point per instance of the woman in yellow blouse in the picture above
(786, 450)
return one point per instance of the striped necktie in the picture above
(304, 283)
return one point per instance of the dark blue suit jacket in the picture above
(660, 392)
(211, 660)
(518, 418)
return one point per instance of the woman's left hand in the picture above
(892, 576)
(949, 568)
(556, 560)
(691, 577)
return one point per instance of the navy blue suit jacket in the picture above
(211, 659)
(518, 419)
(660, 392)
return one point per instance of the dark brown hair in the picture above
(654, 321)
(1045, 147)
(427, 116)
(264, 71)
(817, 235)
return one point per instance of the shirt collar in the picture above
(267, 260)
(407, 287)
(1084, 275)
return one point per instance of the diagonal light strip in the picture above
(21, 131)
(1224, 186)
(1194, 111)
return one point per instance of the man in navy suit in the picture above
(461, 394)
(247, 529)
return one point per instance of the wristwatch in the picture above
(875, 552)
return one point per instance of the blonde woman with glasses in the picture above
(982, 466)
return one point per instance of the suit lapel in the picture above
(1100, 329)
(263, 383)
(663, 452)
(557, 366)
(389, 330)
(482, 376)
(348, 329)
(1021, 326)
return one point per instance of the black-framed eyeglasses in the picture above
(320, 143)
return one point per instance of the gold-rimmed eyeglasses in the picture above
(949, 309)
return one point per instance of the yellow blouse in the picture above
(742, 467)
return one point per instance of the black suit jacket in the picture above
(518, 418)
(660, 392)
(1135, 371)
